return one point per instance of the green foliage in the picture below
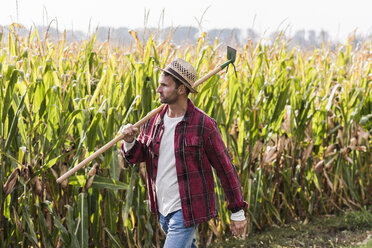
(361, 219)
(296, 123)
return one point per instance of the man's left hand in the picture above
(238, 227)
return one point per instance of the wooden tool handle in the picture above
(206, 77)
(107, 146)
(90, 158)
(120, 137)
(149, 116)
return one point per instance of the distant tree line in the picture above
(184, 34)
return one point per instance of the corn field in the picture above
(297, 124)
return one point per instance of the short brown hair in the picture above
(177, 81)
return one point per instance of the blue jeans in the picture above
(177, 235)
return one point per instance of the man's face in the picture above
(168, 93)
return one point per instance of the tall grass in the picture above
(297, 125)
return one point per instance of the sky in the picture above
(338, 17)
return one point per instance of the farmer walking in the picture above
(180, 145)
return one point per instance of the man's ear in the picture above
(181, 89)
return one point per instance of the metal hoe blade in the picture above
(231, 54)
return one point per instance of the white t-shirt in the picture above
(167, 190)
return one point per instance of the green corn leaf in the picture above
(45, 235)
(129, 196)
(57, 223)
(364, 120)
(72, 226)
(42, 108)
(332, 96)
(92, 132)
(31, 235)
(109, 133)
(11, 158)
(110, 211)
(232, 98)
(83, 218)
(114, 168)
(78, 181)
(114, 238)
(97, 91)
(279, 107)
(108, 183)
(9, 91)
(31, 238)
(52, 162)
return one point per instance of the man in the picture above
(180, 145)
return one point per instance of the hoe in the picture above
(231, 56)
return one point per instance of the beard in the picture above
(171, 99)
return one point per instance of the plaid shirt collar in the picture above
(187, 117)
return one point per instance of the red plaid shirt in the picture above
(197, 146)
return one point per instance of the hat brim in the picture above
(192, 90)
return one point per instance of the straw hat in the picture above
(183, 71)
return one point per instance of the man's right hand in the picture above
(129, 133)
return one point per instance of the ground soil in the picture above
(349, 229)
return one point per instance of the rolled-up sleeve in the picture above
(127, 146)
(134, 152)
